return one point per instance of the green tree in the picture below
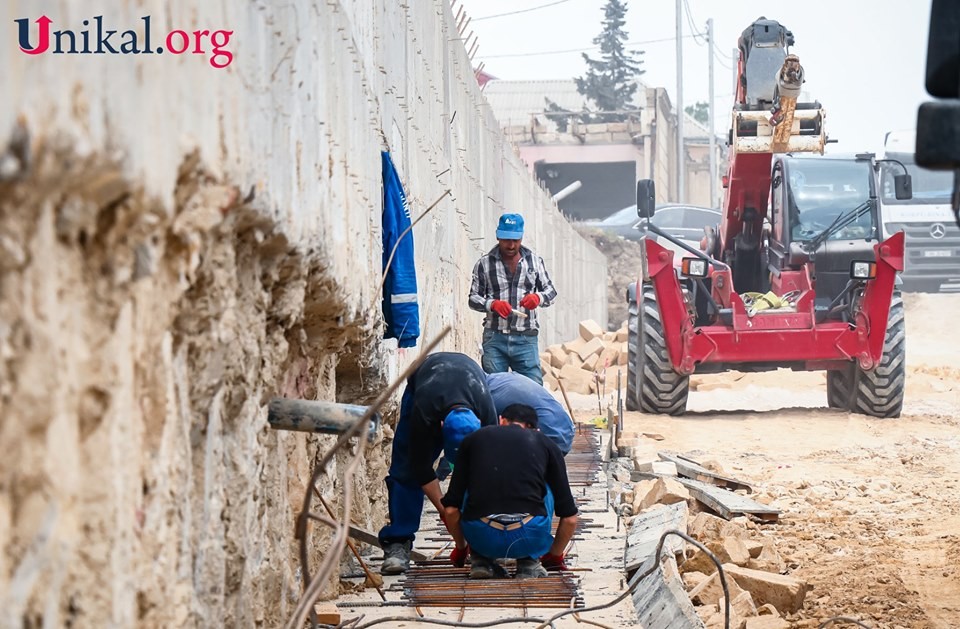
(700, 111)
(611, 80)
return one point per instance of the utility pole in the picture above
(681, 157)
(712, 121)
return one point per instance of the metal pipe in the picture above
(566, 192)
(330, 418)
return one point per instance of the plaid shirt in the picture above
(492, 282)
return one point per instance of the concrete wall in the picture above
(179, 244)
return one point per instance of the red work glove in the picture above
(530, 301)
(502, 308)
(458, 557)
(553, 562)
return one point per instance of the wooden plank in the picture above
(728, 504)
(691, 469)
(661, 602)
(645, 532)
(367, 537)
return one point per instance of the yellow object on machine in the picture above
(757, 302)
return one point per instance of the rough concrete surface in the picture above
(179, 244)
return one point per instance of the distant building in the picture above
(606, 158)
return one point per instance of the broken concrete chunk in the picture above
(711, 590)
(640, 491)
(590, 363)
(575, 379)
(621, 335)
(623, 359)
(590, 348)
(590, 330)
(768, 559)
(730, 550)
(753, 547)
(741, 606)
(327, 613)
(768, 610)
(766, 622)
(558, 357)
(573, 346)
(664, 491)
(784, 593)
(699, 561)
(706, 527)
(665, 468)
(692, 579)
(714, 466)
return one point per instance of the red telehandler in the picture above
(794, 277)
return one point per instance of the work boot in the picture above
(481, 567)
(528, 568)
(396, 557)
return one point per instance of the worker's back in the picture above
(507, 469)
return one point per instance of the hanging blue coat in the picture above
(400, 309)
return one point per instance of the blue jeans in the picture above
(502, 352)
(405, 501)
(532, 539)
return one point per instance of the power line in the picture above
(542, 6)
(697, 35)
(721, 61)
(569, 50)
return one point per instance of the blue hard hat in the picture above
(510, 227)
(459, 423)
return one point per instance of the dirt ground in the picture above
(871, 508)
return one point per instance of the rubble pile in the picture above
(587, 362)
(762, 593)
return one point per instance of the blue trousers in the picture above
(532, 539)
(503, 352)
(405, 497)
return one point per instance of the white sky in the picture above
(864, 59)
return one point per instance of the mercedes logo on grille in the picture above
(938, 231)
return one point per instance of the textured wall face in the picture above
(150, 305)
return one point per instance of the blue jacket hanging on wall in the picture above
(400, 309)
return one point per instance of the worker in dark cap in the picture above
(445, 400)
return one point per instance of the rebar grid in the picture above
(438, 584)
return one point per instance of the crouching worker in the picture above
(507, 483)
(445, 400)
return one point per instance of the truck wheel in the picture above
(839, 388)
(652, 384)
(878, 393)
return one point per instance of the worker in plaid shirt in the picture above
(510, 279)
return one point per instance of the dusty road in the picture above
(871, 508)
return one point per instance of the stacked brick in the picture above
(584, 363)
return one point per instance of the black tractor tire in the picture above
(879, 392)
(839, 388)
(652, 384)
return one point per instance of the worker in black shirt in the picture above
(508, 482)
(446, 399)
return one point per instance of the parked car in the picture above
(685, 222)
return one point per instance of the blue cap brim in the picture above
(507, 235)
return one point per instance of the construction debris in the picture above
(691, 469)
(783, 592)
(726, 503)
(646, 531)
(587, 362)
